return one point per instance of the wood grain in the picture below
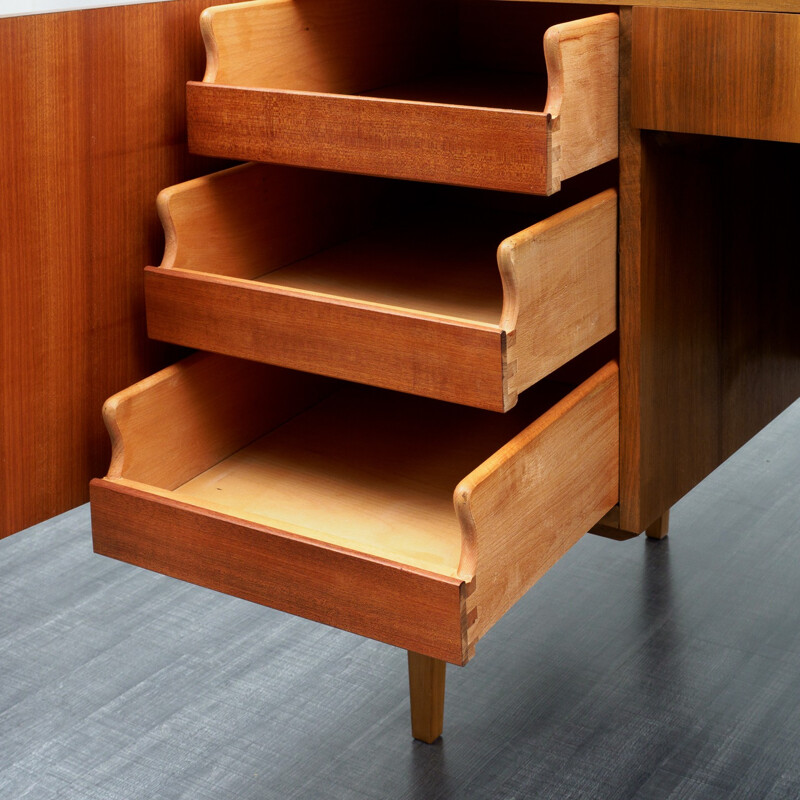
(760, 288)
(560, 285)
(670, 314)
(364, 473)
(403, 350)
(364, 595)
(375, 136)
(93, 126)
(717, 72)
(730, 5)
(631, 177)
(431, 131)
(338, 46)
(582, 96)
(426, 678)
(708, 331)
(443, 267)
(249, 220)
(363, 469)
(415, 303)
(190, 416)
(677, 355)
(523, 508)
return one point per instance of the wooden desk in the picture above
(707, 346)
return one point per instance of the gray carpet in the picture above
(637, 669)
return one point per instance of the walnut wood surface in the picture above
(324, 61)
(630, 289)
(720, 351)
(708, 336)
(399, 605)
(717, 72)
(92, 127)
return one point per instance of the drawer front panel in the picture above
(430, 357)
(398, 605)
(394, 139)
(725, 73)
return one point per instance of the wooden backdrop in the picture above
(91, 128)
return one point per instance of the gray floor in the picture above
(637, 669)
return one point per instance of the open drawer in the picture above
(404, 519)
(383, 283)
(428, 90)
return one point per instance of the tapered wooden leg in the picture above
(660, 528)
(426, 688)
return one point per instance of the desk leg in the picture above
(660, 528)
(426, 687)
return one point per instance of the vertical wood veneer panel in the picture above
(725, 73)
(92, 112)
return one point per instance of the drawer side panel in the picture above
(531, 501)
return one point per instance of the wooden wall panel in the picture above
(717, 72)
(731, 5)
(717, 351)
(91, 128)
(760, 286)
(709, 334)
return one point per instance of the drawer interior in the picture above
(423, 248)
(365, 469)
(472, 53)
(497, 95)
(362, 468)
(442, 263)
